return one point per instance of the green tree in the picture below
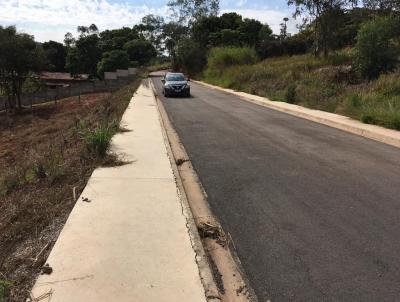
(84, 56)
(113, 60)
(139, 50)
(69, 40)
(322, 14)
(265, 40)
(376, 50)
(56, 55)
(265, 34)
(190, 56)
(172, 33)
(151, 28)
(19, 57)
(116, 38)
(191, 10)
(204, 28)
(230, 20)
(229, 37)
(249, 31)
(88, 30)
(383, 5)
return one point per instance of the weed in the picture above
(98, 140)
(11, 179)
(290, 96)
(4, 288)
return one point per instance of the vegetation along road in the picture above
(313, 211)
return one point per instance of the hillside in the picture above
(325, 84)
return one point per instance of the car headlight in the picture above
(167, 86)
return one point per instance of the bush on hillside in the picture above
(290, 95)
(376, 51)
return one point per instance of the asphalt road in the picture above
(314, 212)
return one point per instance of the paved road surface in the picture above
(314, 212)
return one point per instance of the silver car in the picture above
(175, 84)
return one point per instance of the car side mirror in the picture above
(163, 80)
(188, 79)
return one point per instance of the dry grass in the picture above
(325, 84)
(43, 156)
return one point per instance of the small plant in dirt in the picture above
(98, 140)
(290, 95)
(11, 179)
(4, 287)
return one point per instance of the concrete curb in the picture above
(216, 260)
(383, 135)
(205, 272)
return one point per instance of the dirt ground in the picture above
(42, 159)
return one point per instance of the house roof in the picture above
(62, 76)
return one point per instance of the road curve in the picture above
(314, 212)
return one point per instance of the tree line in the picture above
(89, 51)
(196, 27)
(325, 26)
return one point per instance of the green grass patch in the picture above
(4, 288)
(98, 140)
(328, 84)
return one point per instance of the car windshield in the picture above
(175, 77)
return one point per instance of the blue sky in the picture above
(51, 19)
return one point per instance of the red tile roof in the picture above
(62, 76)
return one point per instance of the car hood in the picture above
(175, 82)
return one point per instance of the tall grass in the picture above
(377, 102)
(4, 287)
(98, 140)
(328, 84)
(221, 58)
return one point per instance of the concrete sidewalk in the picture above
(131, 241)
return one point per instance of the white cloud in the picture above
(50, 19)
(272, 17)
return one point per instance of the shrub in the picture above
(4, 287)
(11, 179)
(98, 140)
(290, 96)
(376, 52)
